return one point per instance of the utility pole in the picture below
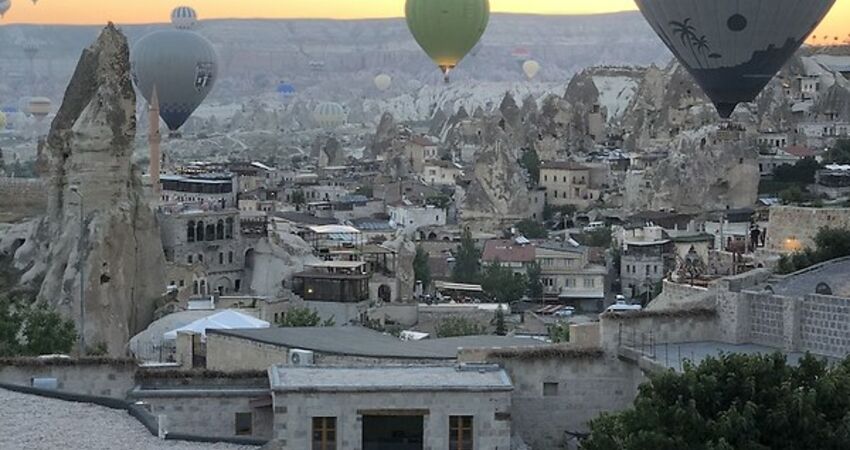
(76, 190)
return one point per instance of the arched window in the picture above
(195, 289)
(230, 257)
(228, 234)
(220, 258)
(199, 231)
(210, 234)
(189, 259)
(190, 231)
(219, 229)
(823, 289)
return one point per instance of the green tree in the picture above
(600, 237)
(46, 332)
(803, 171)
(530, 161)
(459, 326)
(535, 281)
(550, 211)
(499, 322)
(503, 284)
(303, 317)
(559, 333)
(299, 199)
(421, 269)
(793, 195)
(10, 325)
(735, 401)
(532, 229)
(840, 153)
(467, 266)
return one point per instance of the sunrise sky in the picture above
(147, 11)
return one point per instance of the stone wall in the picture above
(645, 328)
(21, 197)
(794, 227)
(492, 414)
(824, 325)
(103, 378)
(561, 388)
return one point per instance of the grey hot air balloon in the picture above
(733, 47)
(5, 5)
(183, 67)
(184, 17)
(330, 115)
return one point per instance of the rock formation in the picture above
(89, 150)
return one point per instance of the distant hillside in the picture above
(256, 54)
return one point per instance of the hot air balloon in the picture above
(330, 115)
(182, 66)
(39, 107)
(733, 47)
(286, 90)
(184, 17)
(447, 29)
(531, 68)
(383, 82)
(4, 7)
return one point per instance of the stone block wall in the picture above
(825, 325)
(109, 378)
(766, 318)
(491, 413)
(791, 227)
(658, 327)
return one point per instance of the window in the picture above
(195, 290)
(324, 433)
(230, 257)
(550, 389)
(182, 283)
(199, 231)
(588, 283)
(220, 258)
(189, 259)
(460, 433)
(243, 423)
(190, 231)
(200, 257)
(219, 230)
(237, 285)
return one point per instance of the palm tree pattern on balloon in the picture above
(697, 44)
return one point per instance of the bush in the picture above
(459, 326)
(303, 317)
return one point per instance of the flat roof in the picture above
(359, 341)
(475, 378)
(337, 264)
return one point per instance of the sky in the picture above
(148, 11)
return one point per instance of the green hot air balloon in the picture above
(447, 29)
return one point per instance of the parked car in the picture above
(593, 226)
(622, 305)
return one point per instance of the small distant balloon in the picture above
(286, 90)
(39, 107)
(5, 5)
(531, 68)
(383, 82)
(184, 17)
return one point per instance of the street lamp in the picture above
(76, 190)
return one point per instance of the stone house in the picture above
(569, 183)
(440, 172)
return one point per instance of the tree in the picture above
(10, 324)
(467, 260)
(45, 332)
(421, 269)
(503, 284)
(792, 195)
(304, 317)
(735, 401)
(839, 154)
(532, 229)
(535, 281)
(499, 322)
(600, 237)
(803, 171)
(549, 211)
(559, 333)
(299, 199)
(530, 161)
(458, 326)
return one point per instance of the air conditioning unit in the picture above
(299, 357)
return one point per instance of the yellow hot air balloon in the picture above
(383, 82)
(447, 29)
(531, 68)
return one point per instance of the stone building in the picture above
(443, 173)
(211, 237)
(644, 264)
(568, 183)
(212, 190)
(462, 407)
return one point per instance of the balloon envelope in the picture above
(733, 48)
(383, 82)
(5, 5)
(447, 29)
(183, 67)
(330, 115)
(286, 90)
(39, 107)
(184, 17)
(531, 68)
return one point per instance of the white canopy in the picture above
(225, 320)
